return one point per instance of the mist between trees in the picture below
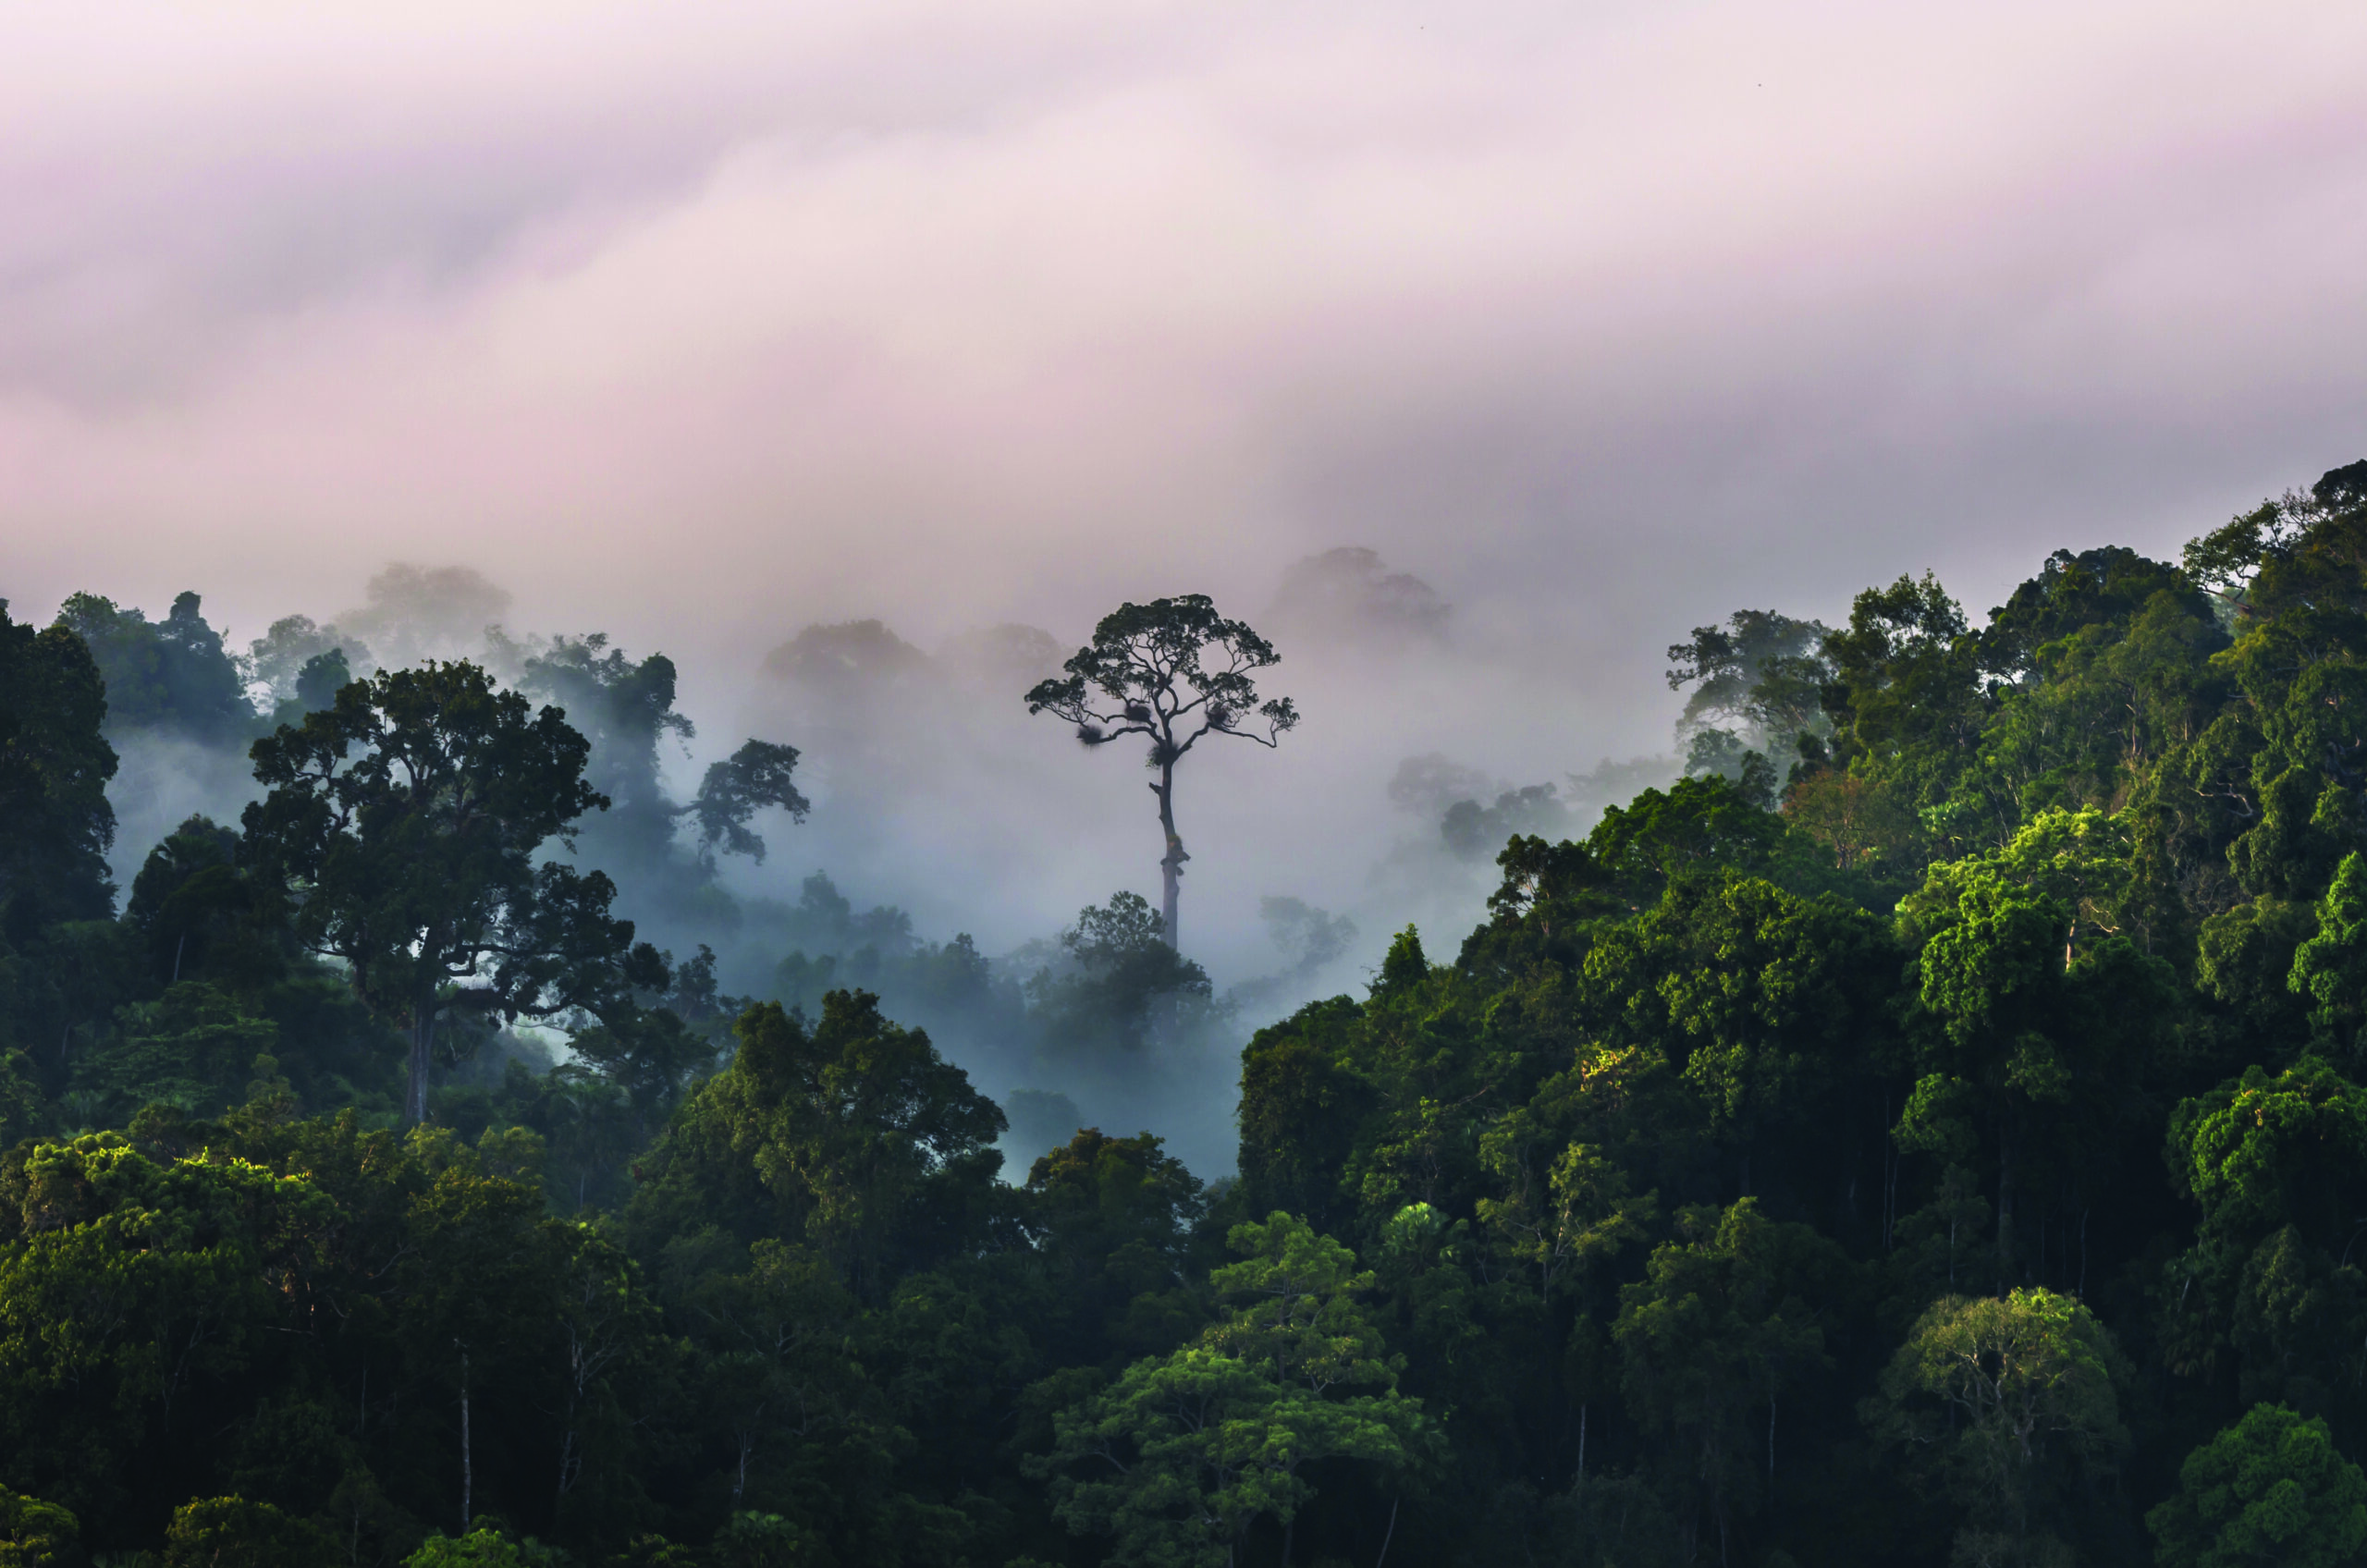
(1916, 1119)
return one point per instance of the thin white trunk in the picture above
(422, 1045)
(468, 1463)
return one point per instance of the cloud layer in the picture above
(701, 324)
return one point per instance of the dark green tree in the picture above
(1185, 1452)
(2272, 1164)
(2005, 1406)
(170, 676)
(34, 1534)
(780, 1367)
(197, 911)
(2029, 1039)
(230, 1531)
(293, 647)
(405, 823)
(2330, 965)
(1756, 682)
(626, 709)
(1728, 1319)
(1121, 972)
(850, 1136)
(55, 824)
(2272, 1489)
(1113, 1218)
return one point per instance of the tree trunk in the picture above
(1170, 866)
(2005, 1198)
(566, 1458)
(423, 1043)
(467, 1466)
(1391, 1534)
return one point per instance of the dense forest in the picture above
(1932, 1129)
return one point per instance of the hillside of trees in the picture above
(1932, 1129)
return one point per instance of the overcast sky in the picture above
(698, 323)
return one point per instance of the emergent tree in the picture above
(1173, 670)
(404, 822)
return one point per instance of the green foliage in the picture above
(1121, 980)
(1772, 1178)
(2330, 966)
(194, 1048)
(171, 677)
(1114, 1217)
(2040, 1042)
(766, 1540)
(483, 1548)
(406, 822)
(195, 910)
(2074, 593)
(55, 824)
(1906, 693)
(1729, 1317)
(1704, 823)
(1754, 681)
(1564, 1217)
(2244, 962)
(230, 1531)
(2272, 1488)
(2270, 1162)
(1294, 1313)
(732, 790)
(1217, 1436)
(2003, 1406)
(853, 1135)
(1204, 1446)
(34, 1534)
(1302, 1103)
(1188, 668)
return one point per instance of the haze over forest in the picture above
(1771, 962)
(940, 808)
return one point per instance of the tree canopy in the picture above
(403, 824)
(1932, 1128)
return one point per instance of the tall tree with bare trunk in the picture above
(1173, 671)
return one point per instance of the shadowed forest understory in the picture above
(1922, 1125)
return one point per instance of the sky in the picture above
(700, 323)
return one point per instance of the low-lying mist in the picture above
(969, 862)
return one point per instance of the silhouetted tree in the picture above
(55, 824)
(1173, 670)
(626, 708)
(405, 822)
(170, 676)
